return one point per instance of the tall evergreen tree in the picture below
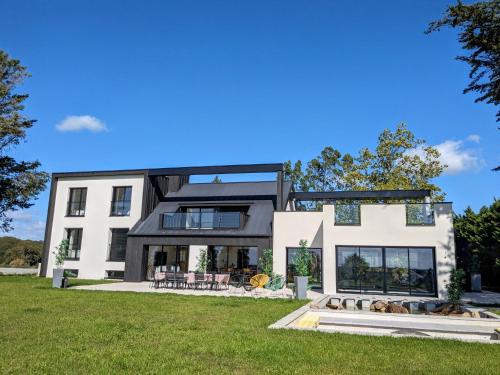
(20, 181)
(479, 33)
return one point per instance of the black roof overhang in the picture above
(217, 169)
(360, 195)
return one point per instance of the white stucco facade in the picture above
(381, 225)
(96, 224)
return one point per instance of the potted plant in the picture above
(302, 262)
(58, 274)
(475, 276)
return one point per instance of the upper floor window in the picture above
(77, 201)
(74, 237)
(122, 198)
(348, 214)
(419, 214)
(118, 245)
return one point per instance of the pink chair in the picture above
(191, 280)
(221, 280)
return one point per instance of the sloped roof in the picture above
(228, 189)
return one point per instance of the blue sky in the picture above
(224, 82)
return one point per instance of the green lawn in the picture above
(43, 330)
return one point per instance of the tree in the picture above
(477, 242)
(20, 181)
(266, 262)
(400, 161)
(479, 26)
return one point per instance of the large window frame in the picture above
(76, 207)
(121, 206)
(74, 238)
(385, 290)
(117, 248)
(321, 283)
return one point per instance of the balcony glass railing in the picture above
(205, 220)
(419, 214)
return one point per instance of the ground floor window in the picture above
(232, 259)
(115, 275)
(391, 270)
(316, 273)
(168, 258)
(71, 272)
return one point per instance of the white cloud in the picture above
(79, 123)
(474, 138)
(455, 156)
(27, 225)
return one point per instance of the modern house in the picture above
(125, 224)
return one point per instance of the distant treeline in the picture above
(15, 252)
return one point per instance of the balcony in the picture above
(204, 220)
(419, 214)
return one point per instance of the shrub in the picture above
(303, 259)
(455, 286)
(60, 253)
(266, 262)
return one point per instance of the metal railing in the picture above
(204, 220)
(120, 208)
(419, 214)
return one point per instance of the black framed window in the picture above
(315, 271)
(77, 201)
(122, 198)
(388, 270)
(74, 237)
(419, 214)
(348, 214)
(115, 275)
(118, 245)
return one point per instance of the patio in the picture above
(145, 287)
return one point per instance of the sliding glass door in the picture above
(391, 270)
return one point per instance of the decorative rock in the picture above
(380, 305)
(335, 302)
(396, 309)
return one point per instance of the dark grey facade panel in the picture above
(48, 227)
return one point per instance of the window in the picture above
(118, 275)
(118, 245)
(419, 214)
(74, 237)
(348, 214)
(71, 272)
(76, 202)
(122, 197)
(315, 271)
(390, 270)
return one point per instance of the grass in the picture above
(45, 330)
